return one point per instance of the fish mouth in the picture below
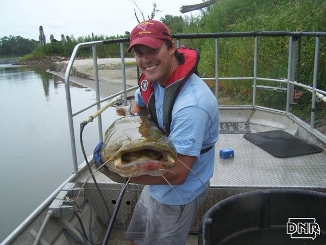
(142, 162)
(146, 154)
(135, 146)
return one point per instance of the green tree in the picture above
(17, 46)
(175, 23)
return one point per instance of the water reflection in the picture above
(14, 73)
(45, 77)
(18, 74)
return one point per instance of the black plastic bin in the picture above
(267, 217)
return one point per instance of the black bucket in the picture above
(267, 217)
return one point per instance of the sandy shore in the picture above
(109, 74)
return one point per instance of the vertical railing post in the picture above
(216, 68)
(97, 89)
(291, 73)
(255, 72)
(123, 73)
(69, 109)
(178, 43)
(313, 101)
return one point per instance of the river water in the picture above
(35, 142)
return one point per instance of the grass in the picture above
(236, 54)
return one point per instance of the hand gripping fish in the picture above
(134, 146)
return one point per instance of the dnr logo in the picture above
(302, 228)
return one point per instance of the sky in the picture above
(80, 17)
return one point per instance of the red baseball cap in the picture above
(151, 33)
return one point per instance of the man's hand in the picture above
(123, 111)
(97, 159)
(98, 162)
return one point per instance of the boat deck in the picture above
(255, 168)
(252, 168)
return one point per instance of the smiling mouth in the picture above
(150, 68)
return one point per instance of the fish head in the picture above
(135, 146)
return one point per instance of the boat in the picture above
(99, 211)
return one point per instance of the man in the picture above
(184, 107)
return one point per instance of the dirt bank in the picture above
(43, 61)
(109, 73)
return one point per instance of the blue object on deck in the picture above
(227, 153)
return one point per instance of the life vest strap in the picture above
(206, 149)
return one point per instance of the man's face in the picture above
(156, 64)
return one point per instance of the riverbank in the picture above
(42, 61)
(109, 73)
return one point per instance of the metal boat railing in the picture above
(289, 81)
(72, 114)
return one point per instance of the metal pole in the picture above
(291, 73)
(123, 71)
(216, 68)
(97, 90)
(313, 101)
(178, 43)
(255, 72)
(69, 110)
(68, 99)
(46, 220)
